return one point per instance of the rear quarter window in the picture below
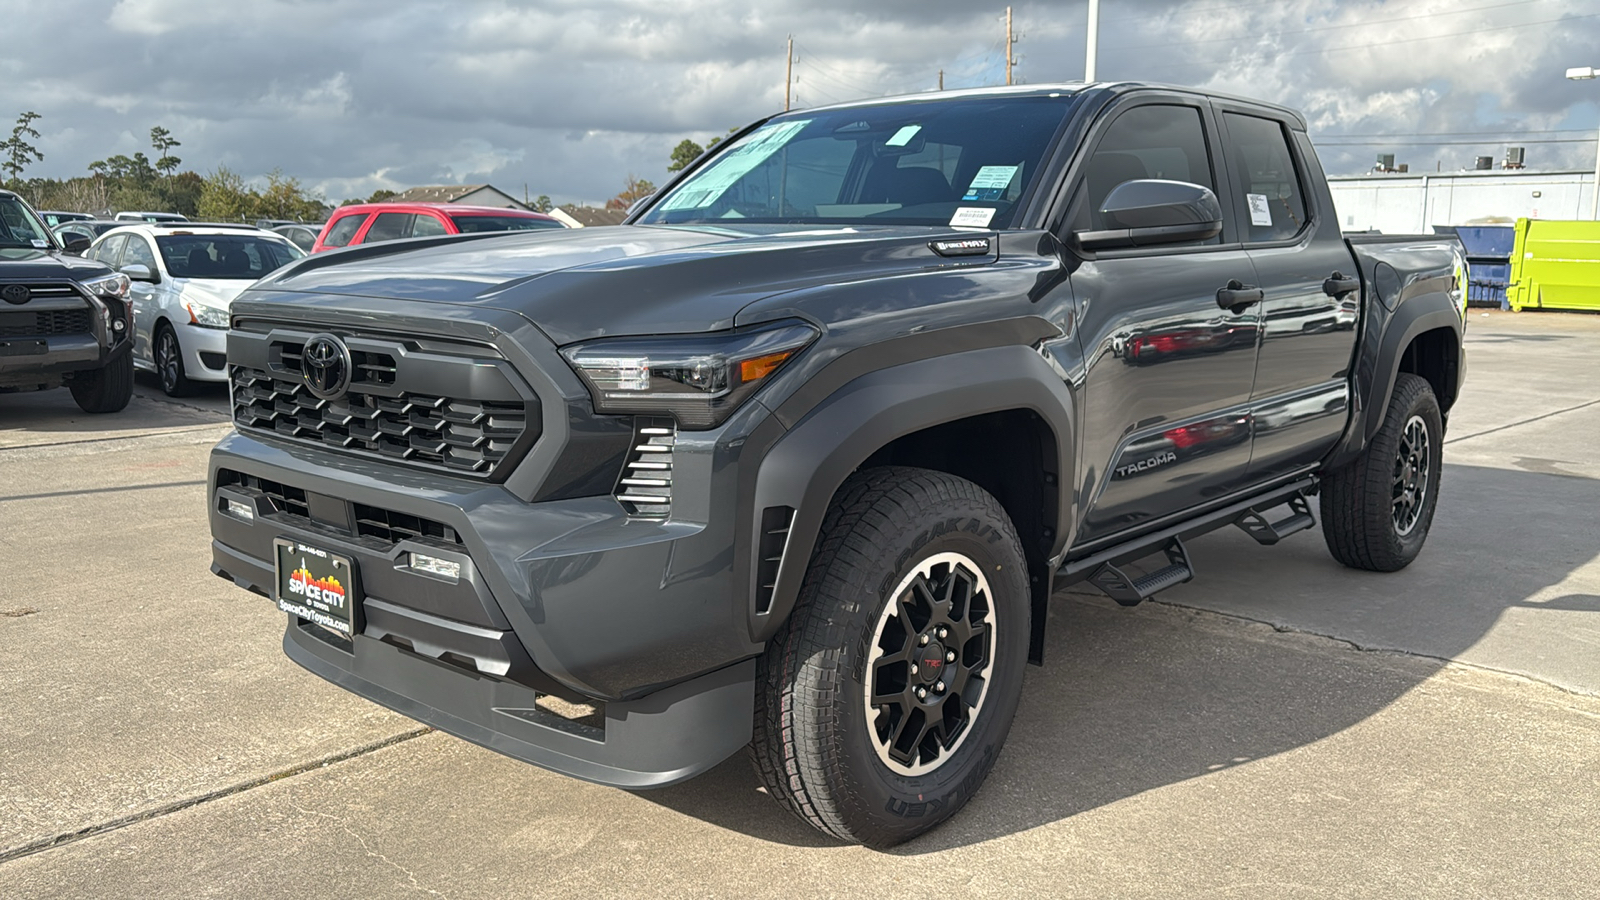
(343, 229)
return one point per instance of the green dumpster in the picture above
(1555, 265)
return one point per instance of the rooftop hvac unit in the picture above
(1515, 157)
(1484, 162)
(1386, 161)
(1403, 167)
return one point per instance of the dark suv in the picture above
(63, 320)
(796, 456)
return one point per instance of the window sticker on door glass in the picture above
(990, 183)
(972, 216)
(903, 136)
(40, 244)
(1260, 213)
(704, 189)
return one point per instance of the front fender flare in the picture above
(807, 465)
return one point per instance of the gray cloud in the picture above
(567, 97)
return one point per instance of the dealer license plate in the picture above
(317, 586)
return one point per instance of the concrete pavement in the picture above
(1440, 738)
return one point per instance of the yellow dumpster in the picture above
(1555, 265)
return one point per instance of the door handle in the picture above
(1236, 296)
(1338, 284)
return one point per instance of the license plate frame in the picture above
(317, 585)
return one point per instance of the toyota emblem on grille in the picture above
(15, 293)
(325, 366)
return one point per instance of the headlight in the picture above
(698, 379)
(206, 316)
(113, 285)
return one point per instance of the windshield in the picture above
(19, 227)
(470, 224)
(229, 256)
(961, 161)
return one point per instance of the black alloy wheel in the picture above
(883, 701)
(1377, 510)
(169, 363)
(930, 652)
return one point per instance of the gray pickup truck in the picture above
(795, 458)
(64, 321)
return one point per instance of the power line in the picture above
(1320, 28)
(1412, 134)
(1369, 44)
(1515, 141)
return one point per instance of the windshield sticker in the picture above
(703, 189)
(1260, 213)
(990, 183)
(903, 136)
(42, 245)
(972, 216)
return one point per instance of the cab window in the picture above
(1152, 141)
(1264, 171)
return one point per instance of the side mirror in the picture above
(140, 272)
(1151, 211)
(75, 244)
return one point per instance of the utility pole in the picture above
(941, 79)
(1008, 44)
(1094, 41)
(788, 74)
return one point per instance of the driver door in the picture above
(1168, 372)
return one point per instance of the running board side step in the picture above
(1103, 568)
(1116, 584)
(1255, 524)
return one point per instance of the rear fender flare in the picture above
(805, 467)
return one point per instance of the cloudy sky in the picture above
(568, 96)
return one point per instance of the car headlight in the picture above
(114, 285)
(206, 316)
(698, 379)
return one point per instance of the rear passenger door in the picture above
(144, 295)
(388, 226)
(1166, 390)
(1301, 397)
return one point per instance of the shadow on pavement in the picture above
(54, 413)
(1133, 700)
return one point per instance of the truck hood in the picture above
(625, 280)
(27, 264)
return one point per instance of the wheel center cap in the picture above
(931, 662)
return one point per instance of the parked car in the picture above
(796, 456)
(369, 223)
(302, 236)
(184, 278)
(54, 217)
(149, 217)
(64, 321)
(76, 236)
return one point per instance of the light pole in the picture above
(1586, 73)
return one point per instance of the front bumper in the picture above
(205, 352)
(569, 599)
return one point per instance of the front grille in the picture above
(28, 323)
(646, 486)
(398, 407)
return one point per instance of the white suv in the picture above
(184, 277)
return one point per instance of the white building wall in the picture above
(1415, 202)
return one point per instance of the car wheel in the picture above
(883, 702)
(107, 389)
(169, 363)
(1377, 510)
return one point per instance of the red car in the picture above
(367, 223)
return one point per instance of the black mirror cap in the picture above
(75, 244)
(1152, 211)
(140, 272)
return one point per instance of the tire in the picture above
(168, 356)
(819, 740)
(1377, 510)
(107, 389)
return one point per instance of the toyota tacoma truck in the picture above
(795, 457)
(63, 320)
